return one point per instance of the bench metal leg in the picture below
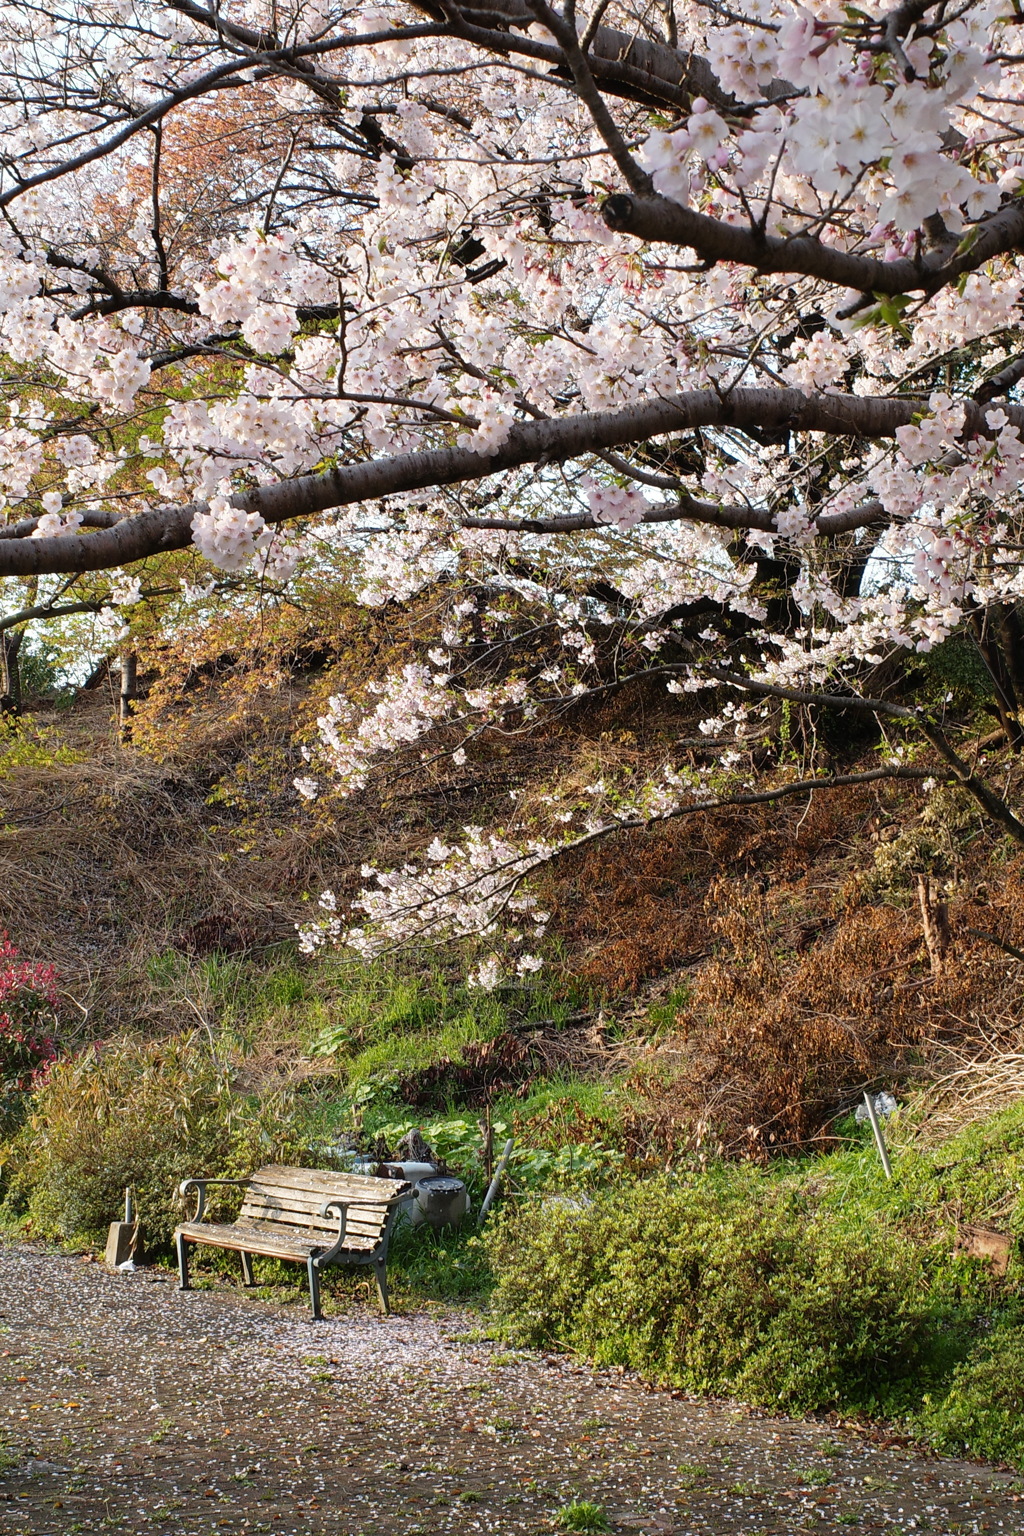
(314, 1288)
(247, 1274)
(380, 1274)
(183, 1284)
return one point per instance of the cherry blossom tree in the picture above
(669, 341)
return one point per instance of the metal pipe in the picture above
(493, 1186)
(879, 1138)
(129, 1206)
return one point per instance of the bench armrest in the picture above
(201, 1186)
(340, 1207)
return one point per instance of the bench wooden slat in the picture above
(327, 1229)
(305, 1221)
(315, 1198)
(257, 1214)
(350, 1186)
(268, 1207)
(312, 1205)
(263, 1239)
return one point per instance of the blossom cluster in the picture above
(616, 506)
(853, 127)
(411, 703)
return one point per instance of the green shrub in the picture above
(726, 1285)
(141, 1113)
(581, 1515)
(983, 1410)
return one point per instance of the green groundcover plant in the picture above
(819, 1287)
(699, 1285)
(982, 1412)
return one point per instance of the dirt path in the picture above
(128, 1406)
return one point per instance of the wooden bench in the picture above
(308, 1216)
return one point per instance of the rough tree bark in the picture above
(935, 919)
(129, 670)
(10, 671)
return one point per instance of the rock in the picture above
(413, 1149)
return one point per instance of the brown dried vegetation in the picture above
(802, 985)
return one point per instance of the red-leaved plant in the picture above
(28, 1008)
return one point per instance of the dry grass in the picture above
(104, 863)
(971, 1085)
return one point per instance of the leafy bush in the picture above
(458, 1142)
(141, 1113)
(24, 743)
(718, 1285)
(983, 1410)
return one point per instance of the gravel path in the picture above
(128, 1406)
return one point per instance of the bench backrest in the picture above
(293, 1197)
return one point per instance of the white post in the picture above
(493, 1188)
(879, 1138)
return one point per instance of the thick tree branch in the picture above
(658, 220)
(626, 66)
(689, 509)
(1000, 383)
(52, 611)
(548, 441)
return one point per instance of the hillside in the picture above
(746, 973)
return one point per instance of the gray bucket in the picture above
(439, 1201)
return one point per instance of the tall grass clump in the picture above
(142, 1113)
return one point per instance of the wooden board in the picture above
(351, 1186)
(360, 1219)
(282, 1243)
(994, 1248)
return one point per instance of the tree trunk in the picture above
(1011, 640)
(10, 671)
(1007, 702)
(128, 691)
(935, 918)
